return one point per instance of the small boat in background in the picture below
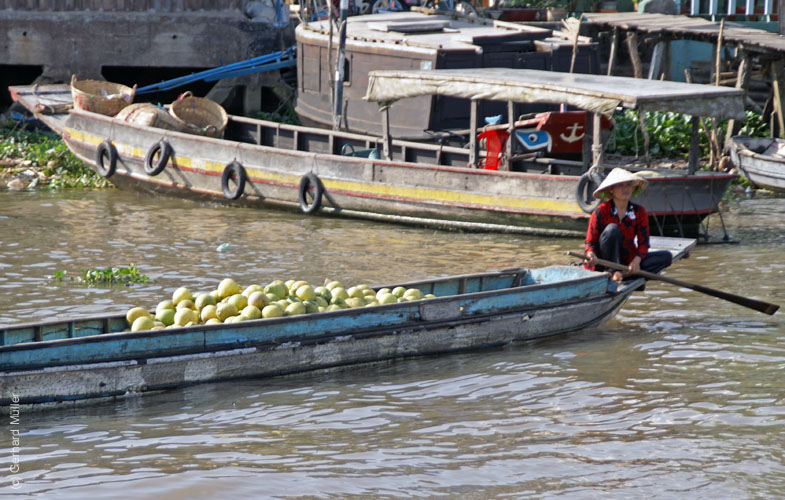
(50, 363)
(760, 159)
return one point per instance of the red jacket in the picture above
(634, 228)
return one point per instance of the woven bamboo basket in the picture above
(145, 113)
(102, 97)
(199, 115)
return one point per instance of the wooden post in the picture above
(588, 142)
(614, 48)
(777, 87)
(692, 163)
(473, 156)
(596, 144)
(510, 130)
(386, 137)
(742, 82)
(632, 48)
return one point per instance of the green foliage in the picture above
(670, 133)
(48, 153)
(285, 114)
(109, 276)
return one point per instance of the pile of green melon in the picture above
(229, 303)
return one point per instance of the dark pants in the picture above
(610, 249)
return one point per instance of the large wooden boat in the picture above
(419, 40)
(378, 177)
(760, 159)
(56, 362)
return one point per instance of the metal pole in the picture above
(339, 70)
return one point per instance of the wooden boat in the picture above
(760, 159)
(419, 40)
(89, 358)
(339, 173)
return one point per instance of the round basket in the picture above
(145, 113)
(102, 97)
(199, 115)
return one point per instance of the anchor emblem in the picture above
(572, 137)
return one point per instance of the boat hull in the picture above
(423, 184)
(98, 361)
(759, 161)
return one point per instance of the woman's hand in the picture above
(590, 258)
(634, 266)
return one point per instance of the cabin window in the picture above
(347, 71)
(310, 67)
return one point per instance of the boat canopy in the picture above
(596, 93)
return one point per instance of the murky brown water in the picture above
(681, 396)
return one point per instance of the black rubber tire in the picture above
(106, 148)
(234, 170)
(308, 180)
(164, 151)
(586, 186)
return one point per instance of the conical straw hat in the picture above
(620, 176)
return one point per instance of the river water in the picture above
(678, 397)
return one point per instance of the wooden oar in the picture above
(758, 305)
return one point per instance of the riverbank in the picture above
(36, 158)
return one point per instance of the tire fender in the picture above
(308, 180)
(583, 192)
(233, 170)
(106, 148)
(164, 151)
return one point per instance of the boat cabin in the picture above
(421, 41)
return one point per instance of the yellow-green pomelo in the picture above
(340, 292)
(355, 302)
(283, 304)
(142, 323)
(322, 291)
(398, 291)
(251, 312)
(251, 289)
(429, 296)
(295, 308)
(258, 299)
(213, 321)
(230, 319)
(311, 306)
(156, 327)
(297, 284)
(165, 316)
(355, 292)
(181, 293)
(208, 312)
(387, 298)
(204, 299)
(271, 297)
(288, 284)
(367, 292)
(333, 284)
(321, 301)
(241, 317)
(334, 307)
(272, 311)
(215, 295)
(136, 312)
(279, 289)
(305, 292)
(158, 323)
(339, 302)
(225, 310)
(363, 286)
(228, 287)
(413, 292)
(164, 304)
(183, 316)
(187, 303)
(238, 300)
(382, 291)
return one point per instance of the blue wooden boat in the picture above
(50, 363)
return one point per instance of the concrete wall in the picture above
(82, 42)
